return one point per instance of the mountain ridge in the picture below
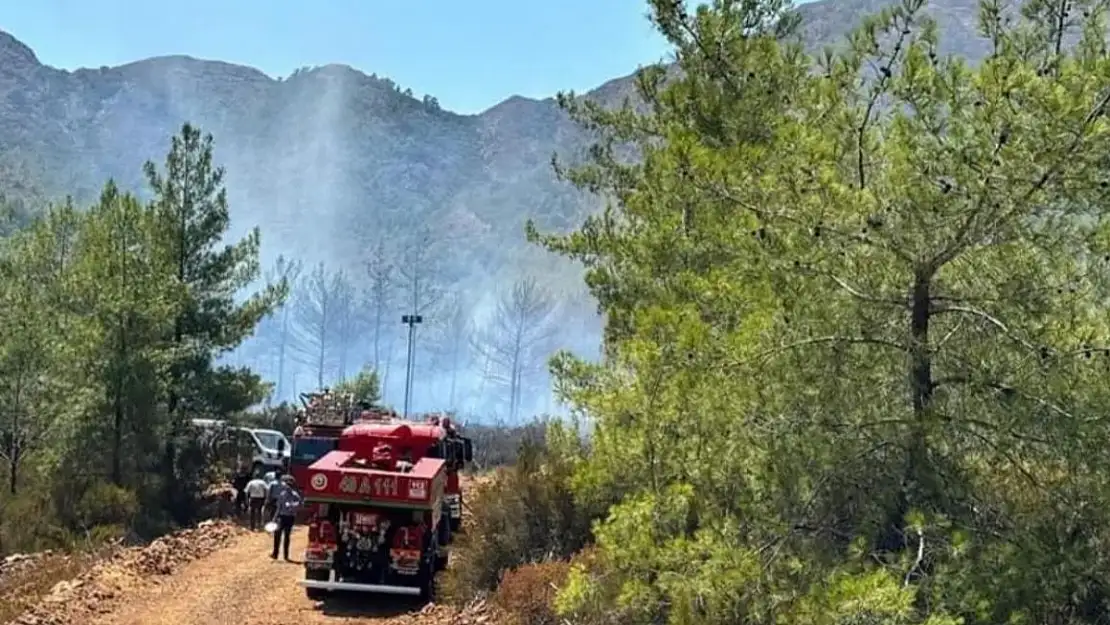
(12, 47)
(73, 111)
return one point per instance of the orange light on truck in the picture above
(418, 489)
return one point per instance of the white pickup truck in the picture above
(264, 450)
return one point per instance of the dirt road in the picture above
(242, 585)
(214, 574)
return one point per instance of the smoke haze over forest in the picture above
(360, 190)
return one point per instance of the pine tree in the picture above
(516, 341)
(190, 203)
(127, 284)
(856, 324)
(450, 345)
(36, 342)
(314, 321)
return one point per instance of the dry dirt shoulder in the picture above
(232, 580)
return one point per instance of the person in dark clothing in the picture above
(288, 503)
(239, 483)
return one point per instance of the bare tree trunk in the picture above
(515, 372)
(15, 438)
(454, 378)
(281, 352)
(378, 335)
(117, 414)
(324, 321)
(13, 470)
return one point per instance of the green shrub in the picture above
(497, 445)
(526, 514)
(526, 595)
(106, 504)
(28, 523)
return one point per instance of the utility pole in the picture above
(411, 321)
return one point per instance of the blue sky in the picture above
(470, 55)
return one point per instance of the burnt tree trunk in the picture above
(280, 388)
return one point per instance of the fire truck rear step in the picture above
(353, 587)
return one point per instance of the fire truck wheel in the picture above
(445, 532)
(441, 562)
(427, 585)
(316, 594)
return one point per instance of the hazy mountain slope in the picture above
(826, 22)
(330, 152)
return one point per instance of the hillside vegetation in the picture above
(378, 203)
(115, 316)
(856, 333)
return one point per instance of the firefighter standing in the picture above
(288, 502)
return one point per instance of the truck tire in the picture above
(442, 540)
(427, 580)
(317, 575)
(446, 533)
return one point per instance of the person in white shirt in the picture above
(257, 490)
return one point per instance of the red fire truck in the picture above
(377, 519)
(330, 422)
(434, 438)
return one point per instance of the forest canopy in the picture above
(115, 318)
(857, 337)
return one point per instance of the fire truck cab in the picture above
(322, 419)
